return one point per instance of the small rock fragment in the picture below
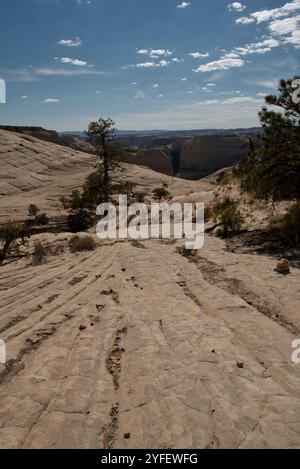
(283, 267)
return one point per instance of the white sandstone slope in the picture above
(135, 345)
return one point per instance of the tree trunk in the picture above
(106, 170)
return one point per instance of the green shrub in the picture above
(225, 204)
(160, 193)
(39, 219)
(231, 222)
(33, 210)
(86, 243)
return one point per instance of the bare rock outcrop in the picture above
(71, 141)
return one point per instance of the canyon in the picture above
(190, 155)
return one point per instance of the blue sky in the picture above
(167, 64)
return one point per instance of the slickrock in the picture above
(184, 362)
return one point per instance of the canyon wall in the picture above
(206, 154)
(156, 159)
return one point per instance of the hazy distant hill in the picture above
(177, 133)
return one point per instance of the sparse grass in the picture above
(78, 244)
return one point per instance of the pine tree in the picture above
(272, 169)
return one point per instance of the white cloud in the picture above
(156, 85)
(67, 72)
(198, 55)
(70, 42)
(232, 101)
(289, 27)
(68, 60)
(242, 100)
(161, 63)
(51, 100)
(245, 20)
(282, 22)
(184, 5)
(257, 47)
(24, 97)
(236, 6)
(276, 13)
(208, 102)
(155, 53)
(222, 64)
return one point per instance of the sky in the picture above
(148, 64)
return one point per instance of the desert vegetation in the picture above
(271, 169)
(84, 243)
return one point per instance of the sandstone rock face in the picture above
(155, 159)
(51, 136)
(33, 171)
(204, 155)
(38, 172)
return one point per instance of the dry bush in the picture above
(86, 243)
(39, 253)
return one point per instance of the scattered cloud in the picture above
(67, 72)
(184, 5)
(282, 22)
(161, 63)
(68, 60)
(70, 42)
(198, 55)
(51, 100)
(208, 102)
(222, 64)
(236, 6)
(232, 101)
(155, 53)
